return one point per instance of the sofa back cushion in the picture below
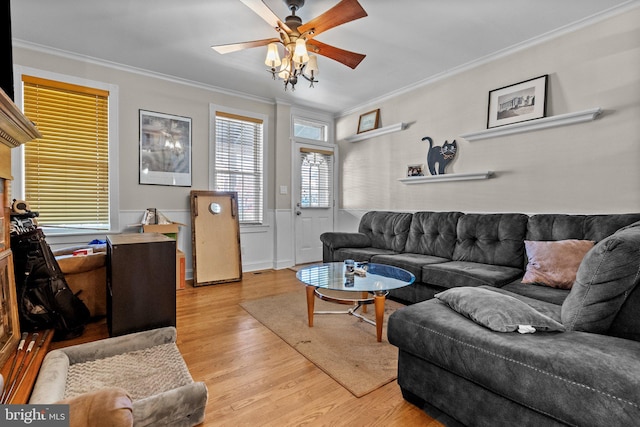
(387, 230)
(433, 233)
(496, 239)
(604, 298)
(579, 227)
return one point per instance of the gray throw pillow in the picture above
(604, 280)
(496, 311)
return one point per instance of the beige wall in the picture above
(582, 168)
(140, 91)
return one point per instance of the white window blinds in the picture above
(238, 163)
(67, 170)
(316, 178)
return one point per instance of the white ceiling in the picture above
(406, 41)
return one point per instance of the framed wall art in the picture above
(369, 121)
(518, 103)
(165, 149)
(415, 170)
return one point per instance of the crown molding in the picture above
(134, 70)
(567, 29)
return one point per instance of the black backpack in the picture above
(44, 298)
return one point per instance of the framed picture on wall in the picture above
(165, 149)
(415, 170)
(369, 121)
(518, 103)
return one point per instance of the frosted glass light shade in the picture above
(300, 54)
(312, 66)
(285, 69)
(273, 58)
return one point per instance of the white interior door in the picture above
(314, 195)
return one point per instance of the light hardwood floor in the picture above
(256, 379)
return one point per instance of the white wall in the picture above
(583, 168)
(138, 90)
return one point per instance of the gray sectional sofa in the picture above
(584, 372)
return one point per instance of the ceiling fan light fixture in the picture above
(285, 69)
(300, 54)
(273, 57)
(293, 35)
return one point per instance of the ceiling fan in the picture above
(298, 39)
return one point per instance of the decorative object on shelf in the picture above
(397, 127)
(517, 103)
(447, 177)
(296, 38)
(440, 155)
(415, 170)
(369, 121)
(533, 125)
(165, 149)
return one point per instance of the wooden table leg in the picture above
(310, 303)
(379, 305)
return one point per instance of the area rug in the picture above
(342, 345)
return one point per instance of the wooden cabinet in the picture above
(141, 282)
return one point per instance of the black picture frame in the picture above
(165, 149)
(518, 102)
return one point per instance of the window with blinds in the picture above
(66, 176)
(316, 178)
(238, 163)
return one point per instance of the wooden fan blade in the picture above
(234, 47)
(266, 13)
(350, 59)
(343, 12)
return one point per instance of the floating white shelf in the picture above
(546, 122)
(446, 177)
(377, 132)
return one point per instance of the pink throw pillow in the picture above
(555, 263)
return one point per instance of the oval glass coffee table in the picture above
(378, 279)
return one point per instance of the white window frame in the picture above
(298, 114)
(213, 109)
(17, 154)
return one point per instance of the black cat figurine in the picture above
(440, 156)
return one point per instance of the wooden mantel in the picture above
(15, 129)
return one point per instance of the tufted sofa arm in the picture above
(332, 241)
(337, 240)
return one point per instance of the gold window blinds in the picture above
(67, 171)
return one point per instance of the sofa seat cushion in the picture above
(462, 273)
(538, 292)
(410, 262)
(359, 254)
(556, 373)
